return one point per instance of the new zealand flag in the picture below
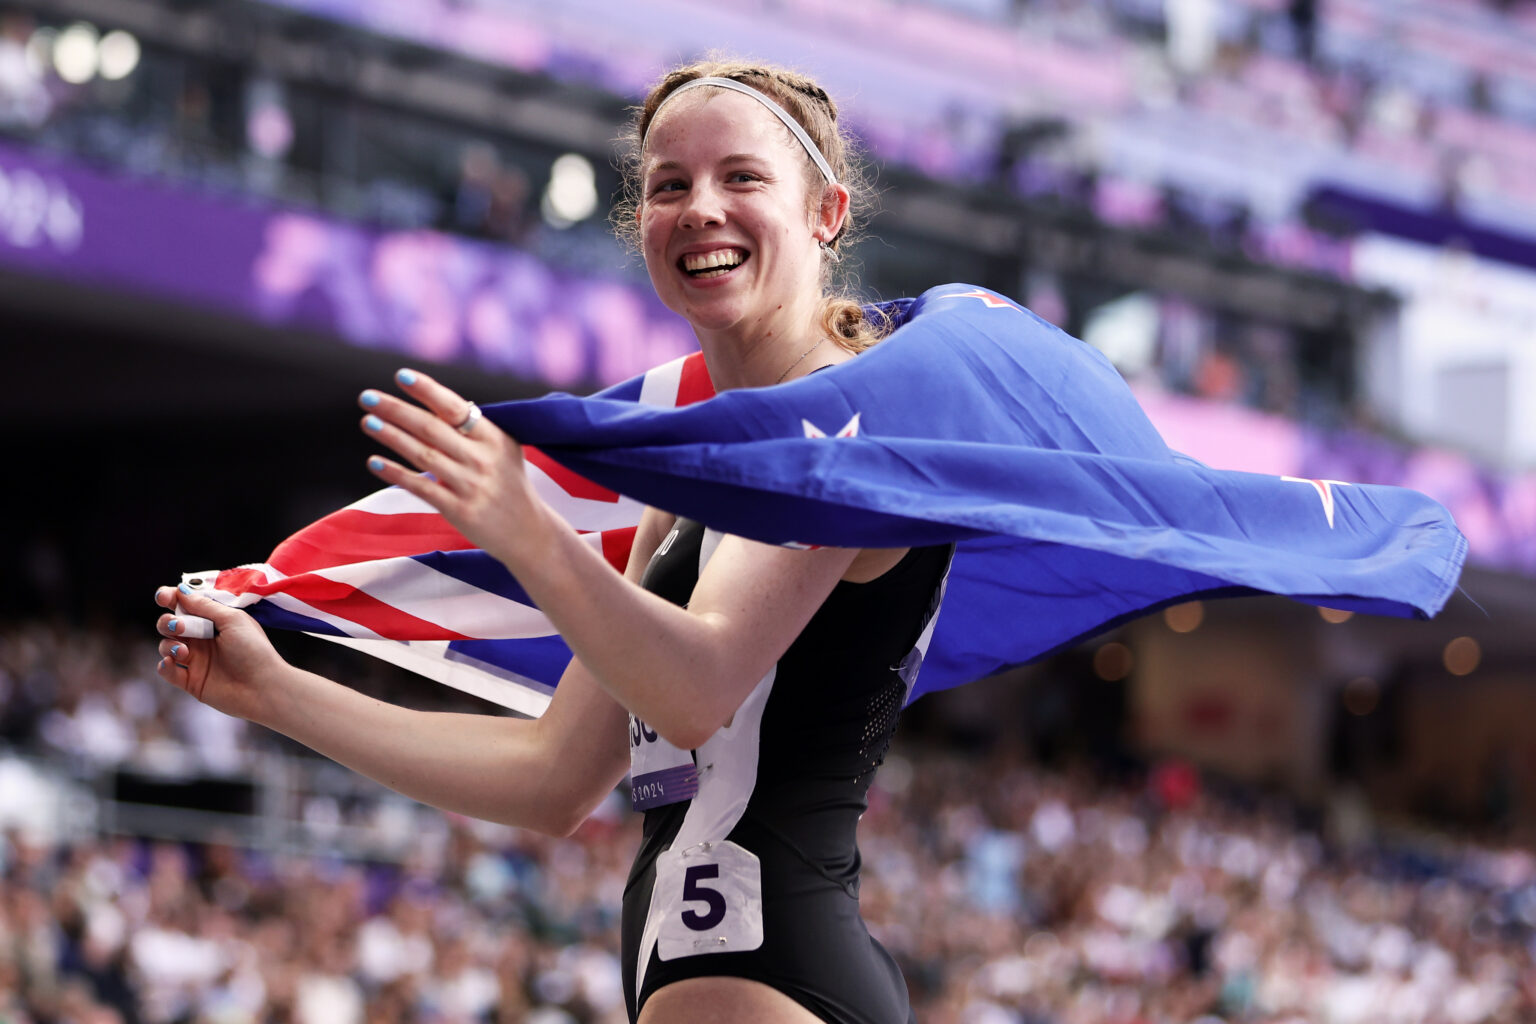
(974, 422)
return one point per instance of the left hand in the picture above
(236, 671)
(476, 476)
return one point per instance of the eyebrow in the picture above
(673, 165)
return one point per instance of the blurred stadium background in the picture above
(1304, 229)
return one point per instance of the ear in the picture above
(835, 200)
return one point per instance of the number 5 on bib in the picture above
(711, 896)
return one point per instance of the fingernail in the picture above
(176, 650)
(369, 399)
(184, 588)
(406, 377)
(162, 663)
(173, 624)
(373, 423)
(375, 463)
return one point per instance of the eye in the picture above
(666, 185)
(739, 177)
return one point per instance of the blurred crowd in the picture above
(1047, 898)
(1010, 894)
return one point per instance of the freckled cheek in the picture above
(653, 242)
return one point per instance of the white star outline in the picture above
(1324, 492)
(850, 429)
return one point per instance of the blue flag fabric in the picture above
(976, 422)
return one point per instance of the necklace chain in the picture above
(797, 362)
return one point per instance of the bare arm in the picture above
(547, 773)
(684, 671)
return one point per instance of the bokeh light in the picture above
(1462, 656)
(1361, 695)
(572, 192)
(1184, 618)
(75, 55)
(117, 55)
(1113, 662)
(39, 53)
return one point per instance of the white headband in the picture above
(773, 108)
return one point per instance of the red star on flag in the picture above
(992, 301)
(1324, 491)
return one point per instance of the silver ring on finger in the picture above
(471, 417)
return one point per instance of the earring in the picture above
(830, 253)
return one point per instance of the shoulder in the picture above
(892, 314)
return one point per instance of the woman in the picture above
(758, 685)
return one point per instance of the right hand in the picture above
(477, 480)
(227, 672)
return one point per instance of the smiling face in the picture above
(728, 228)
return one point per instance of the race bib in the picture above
(710, 900)
(659, 773)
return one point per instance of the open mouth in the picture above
(715, 263)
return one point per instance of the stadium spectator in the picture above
(1008, 893)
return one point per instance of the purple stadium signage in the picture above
(421, 293)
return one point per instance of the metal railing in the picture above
(281, 802)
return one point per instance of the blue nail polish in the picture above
(406, 377)
(176, 650)
(172, 625)
(373, 423)
(369, 399)
(183, 588)
(375, 463)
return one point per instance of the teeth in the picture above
(726, 258)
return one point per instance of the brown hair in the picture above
(842, 315)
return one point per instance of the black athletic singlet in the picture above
(785, 783)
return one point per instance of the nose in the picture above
(703, 208)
